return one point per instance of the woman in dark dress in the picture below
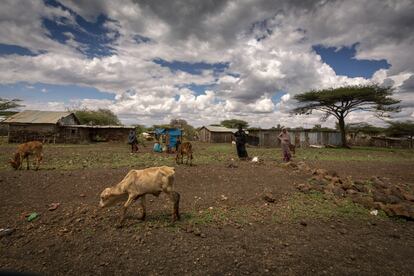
(241, 139)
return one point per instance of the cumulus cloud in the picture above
(266, 44)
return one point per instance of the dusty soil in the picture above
(226, 226)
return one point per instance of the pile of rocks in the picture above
(374, 193)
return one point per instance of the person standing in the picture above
(241, 139)
(133, 141)
(284, 138)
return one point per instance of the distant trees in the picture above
(234, 123)
(319, 127)
(339, 102)
(188, 130)
(6, 104)
(97, 117)
(363, 128)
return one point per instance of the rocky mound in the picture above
(374, 193)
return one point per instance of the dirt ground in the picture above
(226, 227)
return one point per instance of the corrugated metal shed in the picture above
(37, 117)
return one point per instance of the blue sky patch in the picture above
(192, 68)
(93, 36)
(343, 61)
(200, 89)
(141, 39)
(41, 92)
(6, 49)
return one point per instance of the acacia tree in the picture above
(339, 102)
(101, 116)
(234, 123)
(6, 104)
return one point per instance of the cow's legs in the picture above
(175, 199)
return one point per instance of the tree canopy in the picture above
(339, 102)
(188, 130)
(362, 127)
(234, 123)
(97, 117)
(399, 128)
(6, 104)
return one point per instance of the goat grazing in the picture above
(24, 151)
(184, 149)
(138, 183)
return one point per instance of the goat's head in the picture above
(109, 198)
(15, 163)
(105, 197)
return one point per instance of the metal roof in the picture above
(98, 126)
(37, 117)
(220, 129)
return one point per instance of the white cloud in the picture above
(268, 47)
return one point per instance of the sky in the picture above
(204, 61)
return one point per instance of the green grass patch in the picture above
(316, 205)
(116, 155)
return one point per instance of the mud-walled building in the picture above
(59, 127)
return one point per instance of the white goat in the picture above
(137, 183)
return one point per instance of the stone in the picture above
(391, 199)
(320, 172)
(351, 192)
(378, 183)
(401, 210)
(346, 185)
(408, 196)
(364, 201)
(269, 198)
(197, 232)
(304, 187)
(328, 177)
(379, 197)
(303, 166)
(398, 192)
(336, 180)
(361, 187)
(338, 191)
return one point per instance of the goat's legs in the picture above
(27, 162)
(38, 159)
(131, 198)
(143, 207)
(175, 199)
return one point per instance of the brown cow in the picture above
(184, 149)
(24, 151)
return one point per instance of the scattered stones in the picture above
(376, 193)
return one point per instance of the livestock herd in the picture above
(135, 185)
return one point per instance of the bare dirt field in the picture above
(226, 226)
